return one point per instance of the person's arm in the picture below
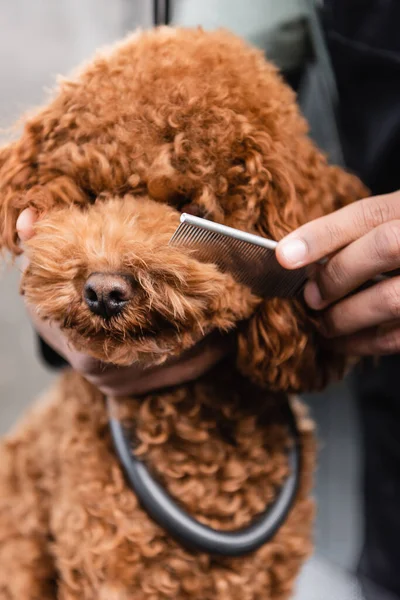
(362, 242)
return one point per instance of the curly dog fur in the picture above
(168, 120)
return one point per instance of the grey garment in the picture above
(279, 28)
(322, 580)
(318, 95)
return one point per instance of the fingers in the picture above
(375, 253)
(326, 235)
(376, 341)
(25, 223)
(374, 306)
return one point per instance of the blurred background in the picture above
(40, 39)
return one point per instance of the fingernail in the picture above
(312, 295)
(294, 251)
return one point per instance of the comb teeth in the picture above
(249, 258)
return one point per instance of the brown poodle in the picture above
(168, 120)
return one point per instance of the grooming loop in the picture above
(249, 258)
(183, 527)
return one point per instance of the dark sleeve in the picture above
(364, 43)
(50, 356)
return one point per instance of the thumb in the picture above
(25, 223)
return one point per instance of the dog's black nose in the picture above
(106, 294)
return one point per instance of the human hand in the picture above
(362, 242)
(131, 380)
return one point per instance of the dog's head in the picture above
(170, 120)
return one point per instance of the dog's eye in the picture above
(91, 195)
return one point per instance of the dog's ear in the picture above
(28, 178)
(290, 184)
(18, 175)
(15, 173)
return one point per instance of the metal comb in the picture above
(249, 258)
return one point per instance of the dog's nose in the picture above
(106, 294)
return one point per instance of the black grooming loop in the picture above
(187, 530)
